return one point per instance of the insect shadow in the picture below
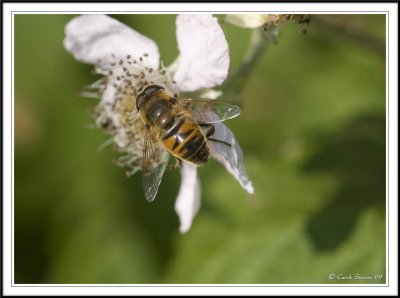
(357, 156)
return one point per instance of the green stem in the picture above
(233, 87)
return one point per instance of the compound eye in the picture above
(148, 92)
(139, 100)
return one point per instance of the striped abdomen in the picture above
(167, 120)
(185, 140)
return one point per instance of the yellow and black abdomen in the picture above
(185, 140)
(169, 121)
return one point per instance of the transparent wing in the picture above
(210, 110)
(155, 160)
(230, 156)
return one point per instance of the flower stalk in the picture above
(235, 84)
(265, 29)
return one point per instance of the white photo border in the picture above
(389, 9)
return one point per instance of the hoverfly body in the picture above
(178, 126)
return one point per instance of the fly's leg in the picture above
(210, 131)
(178, 164)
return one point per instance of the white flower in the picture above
(254, 21)
(129, 61)
(251, 20)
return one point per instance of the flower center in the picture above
(123, 80)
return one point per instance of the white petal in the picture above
(91, 38)
(188, 202)
(231, 157)
(204, 52)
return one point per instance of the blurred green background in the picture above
(313, 133)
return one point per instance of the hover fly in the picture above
(178, 126)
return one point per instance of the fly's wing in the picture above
(155, 160)
(210, 110)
